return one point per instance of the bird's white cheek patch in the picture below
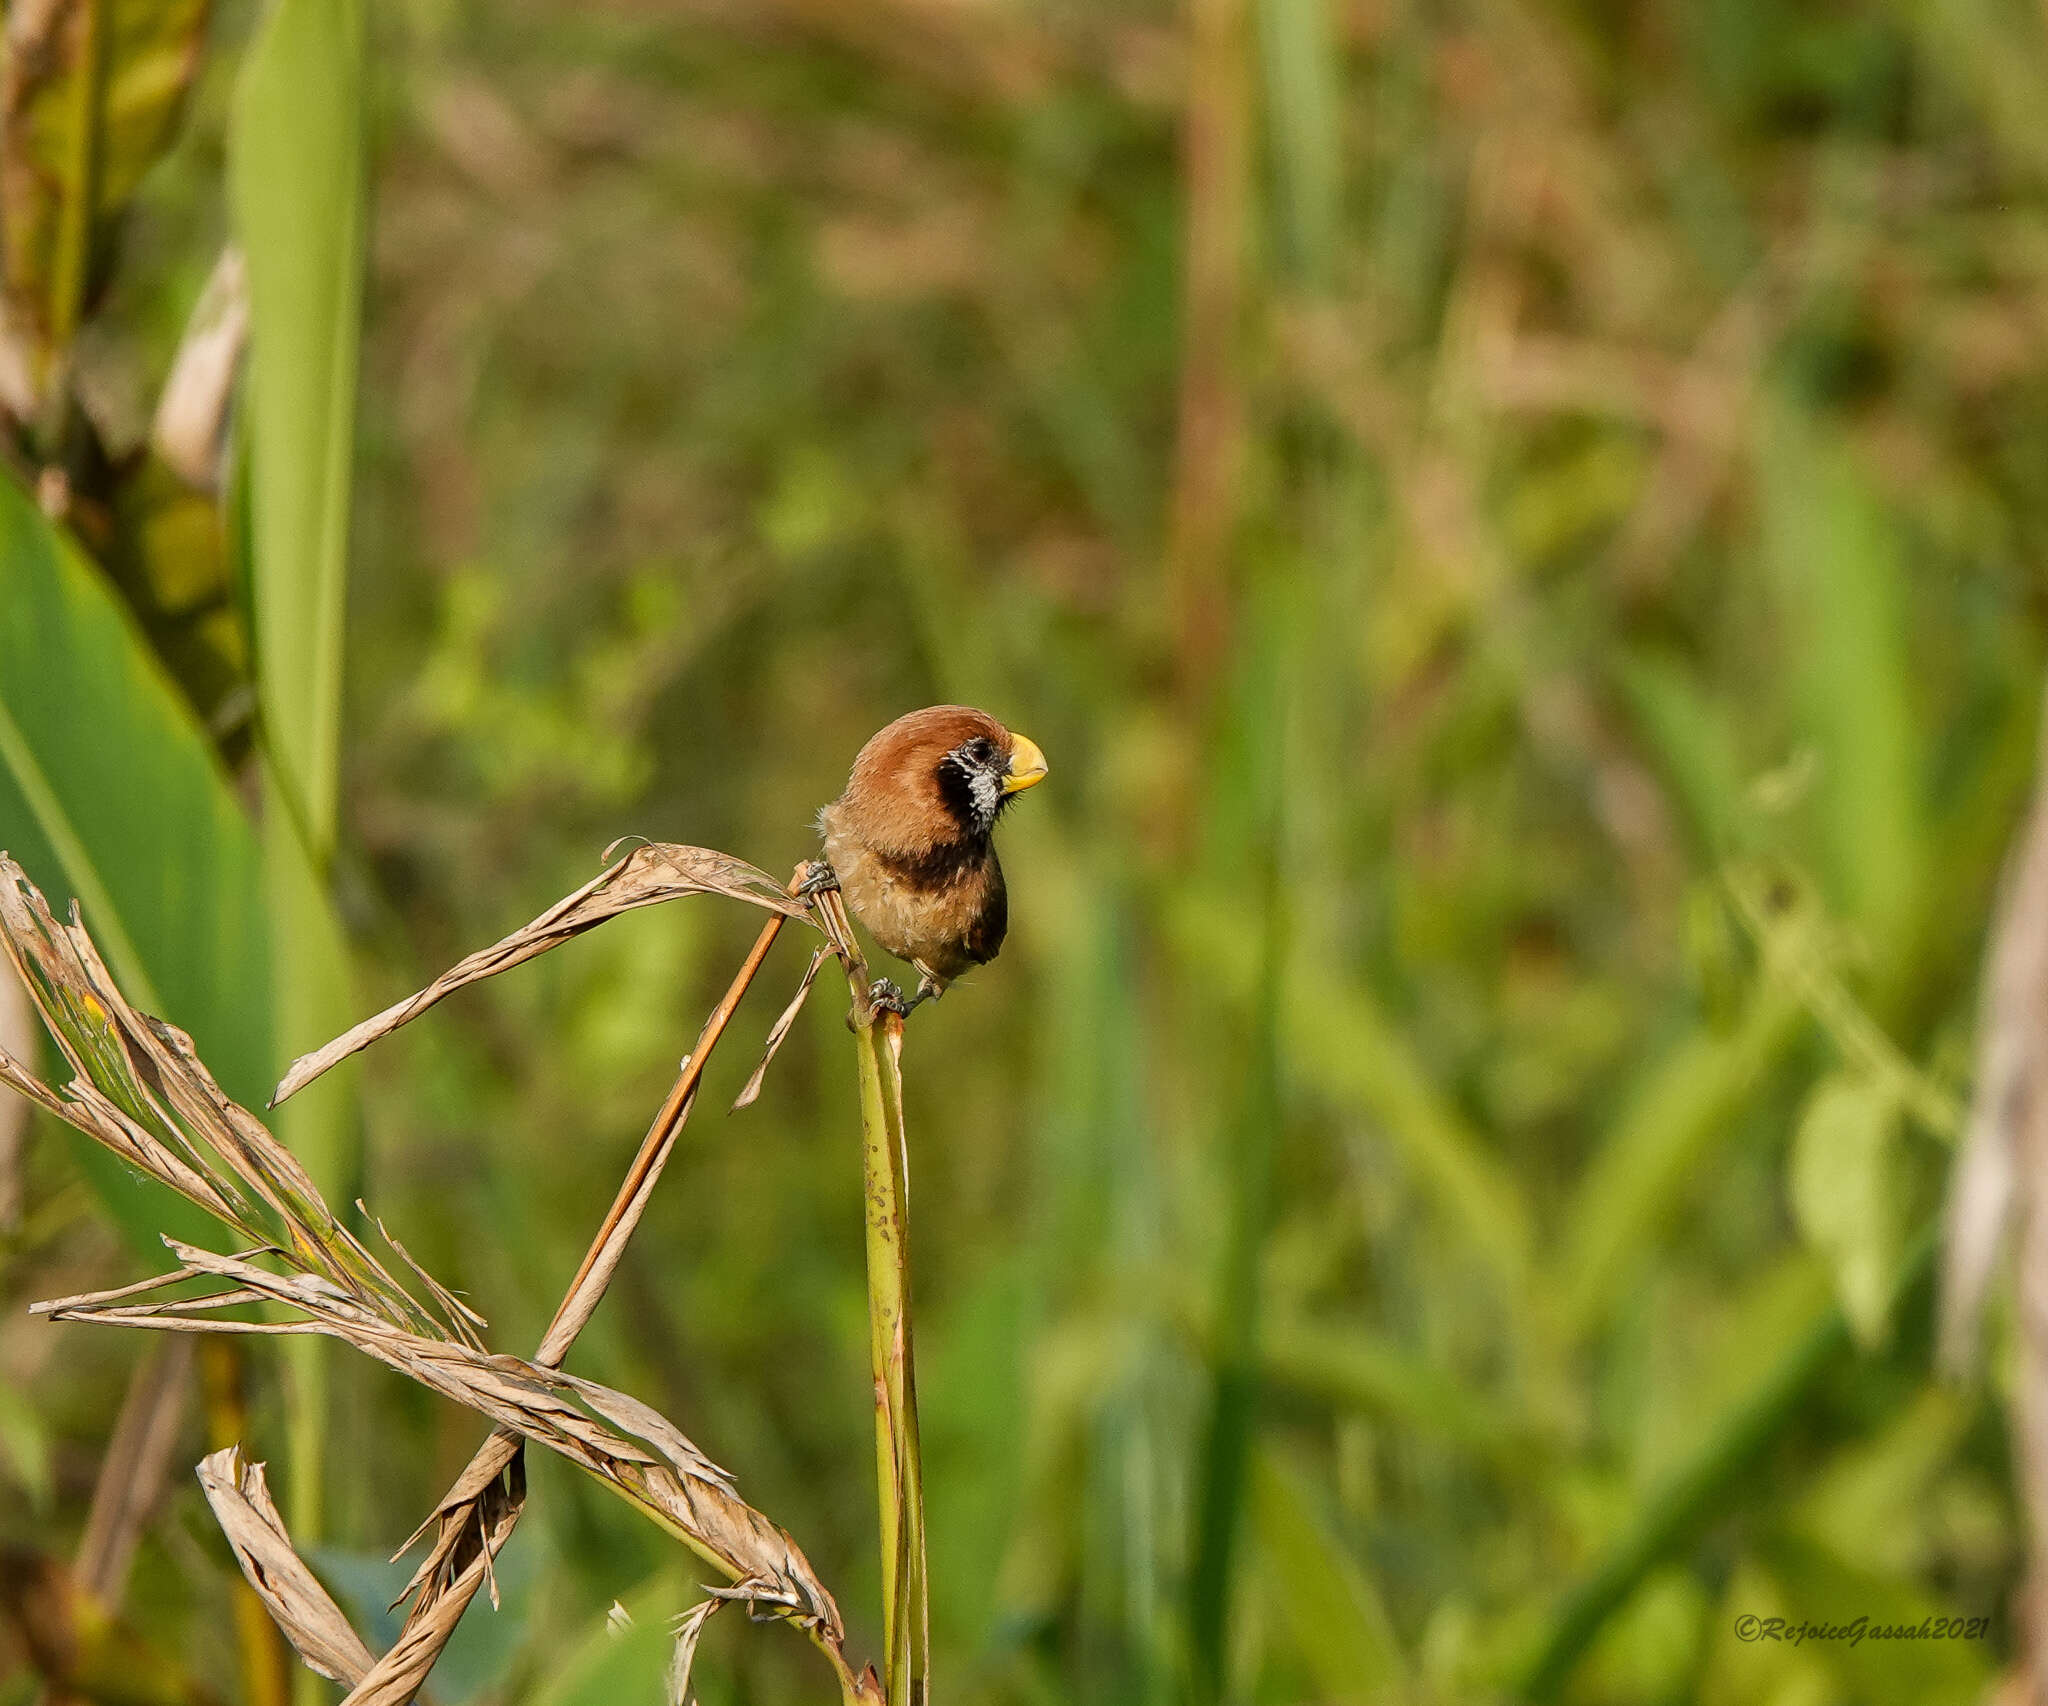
(987, 791)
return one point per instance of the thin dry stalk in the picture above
(190, 426)
(780, 1030)
(1996, 1184)
(133, 1471)
(18, 1038)
(1209, 437)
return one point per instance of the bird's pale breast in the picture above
(944, 911)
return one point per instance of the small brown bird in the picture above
(910, 844)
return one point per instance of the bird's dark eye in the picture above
(980, 750)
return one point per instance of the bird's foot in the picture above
(885, 997)
(817, 880)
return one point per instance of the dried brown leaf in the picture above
(650, 874)
(689, 1630)
(629, 1446)
(140, 1089)
(173, 1121)
(293, 1596)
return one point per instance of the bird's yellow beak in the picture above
(1027, 765)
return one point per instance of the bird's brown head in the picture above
(937, 776)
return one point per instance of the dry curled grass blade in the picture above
(625, 1444)
(296, 1601)
(781, 1029)
(650, 874)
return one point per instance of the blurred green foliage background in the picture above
(1517, 524)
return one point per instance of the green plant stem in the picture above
(1707, 1484)
(885, 1179)
(878, 1054)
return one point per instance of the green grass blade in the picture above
(1225, 1465)
(1350, 1051)
(1303, 101)
(1352, 1369)
(1234, 1399)
(619, 1661)
(1832, 549)
(1330, 1605)
(297, 178)
(1642, 1167)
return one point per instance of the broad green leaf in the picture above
(1331, 1607)
(297, 181)
(297, 178)
(109, 792)
(94, 102)
(1844, 1194)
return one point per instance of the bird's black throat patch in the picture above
(939, 867)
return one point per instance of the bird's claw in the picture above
(817, 880)
(885, 997)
